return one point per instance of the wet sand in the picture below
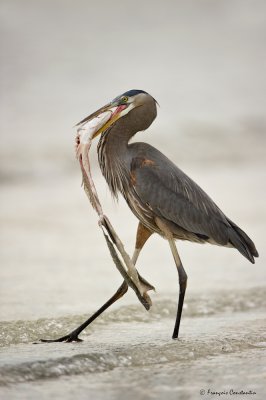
(66, 273)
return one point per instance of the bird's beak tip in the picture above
(100, 120)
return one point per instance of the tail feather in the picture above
(240, 240)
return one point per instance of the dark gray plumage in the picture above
(164, 199)
(166, 191)
(154, 186)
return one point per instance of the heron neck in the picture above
(113, 156)
(113, 149)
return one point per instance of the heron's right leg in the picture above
(163, 225)
(182, 286)
(143, 235)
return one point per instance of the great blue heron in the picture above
(163, 198)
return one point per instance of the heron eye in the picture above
(124, 99)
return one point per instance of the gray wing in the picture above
(171, 194)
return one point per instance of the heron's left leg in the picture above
(182, 285)
(143, 235)
(74, 335)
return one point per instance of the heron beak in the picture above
(116, 113)
(103, 118)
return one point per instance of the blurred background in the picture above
(203, 61)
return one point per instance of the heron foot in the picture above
(72, 337)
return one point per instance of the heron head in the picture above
(119, 107)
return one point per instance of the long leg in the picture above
(142, 236)
(180, 269)
(73, 336)
(182, 286)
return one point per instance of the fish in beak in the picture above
(100, 120)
